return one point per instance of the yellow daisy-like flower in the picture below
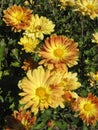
(40, 90)
(88, 109)
(94, 75)
(87, 7)
(17, 17)
(93, 79)
(95, 37)
(39, 26)
(28, 43)
(70, 81)
(59, 51)
(65, 3)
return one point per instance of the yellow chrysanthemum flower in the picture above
(39, 26)
(94, 75)
(87, 7)
(93, 79)
(40, 90)
(95, 37)
(28, 43)
(59, 51)
(17, 17)
(88, 109)
(69, 80)
(65, 3)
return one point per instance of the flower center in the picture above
(59, 52)
(38, 28)
(19, 18)
(87, 107)
(41, 92)
(89, 6)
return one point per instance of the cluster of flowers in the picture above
(86, 7)
(50, 84)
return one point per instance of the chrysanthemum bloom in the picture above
(87, 7)
(17, 17)
(29, 64)
(70, 96)
(88, 109)
(65, 3)
(39, 26)
(68, 80)
(93, 78)
(20, 120)
(59, 52)
(95, 37)
(29, 44)
(40, 90)
(94, 75)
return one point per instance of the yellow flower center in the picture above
(27, 47)
(89, 6)
(59, 52)
(87, 107)
(18, 18)
(41, 92)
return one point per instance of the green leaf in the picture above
(61, 125)
(1, 74)
(84, 92)
(1, 99)
(17, 1)
(15, 64)
(85, 127)
(38, 126)
(2, 49)
(1, 21)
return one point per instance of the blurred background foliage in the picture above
(69, 23)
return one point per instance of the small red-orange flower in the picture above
(29, 64)
(20, 120)
(17, 17)
(88, 109)
(59, 52)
